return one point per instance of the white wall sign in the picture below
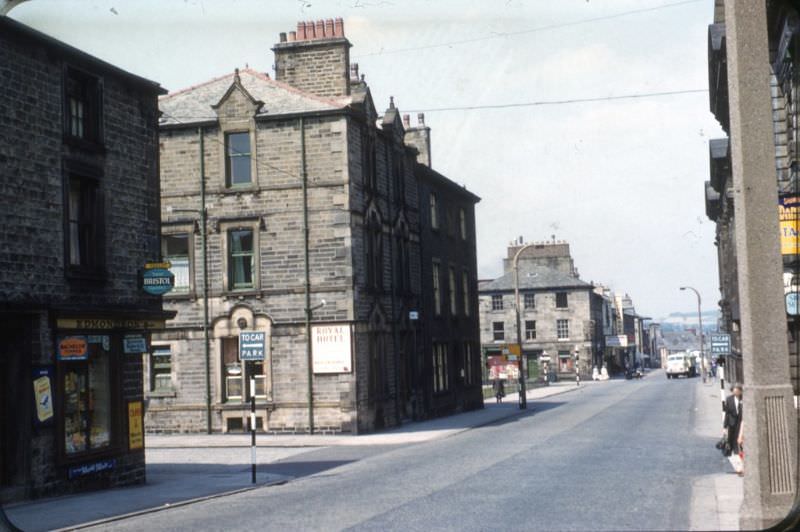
(331, 348)
(617, 340)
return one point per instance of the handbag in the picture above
(724, 446)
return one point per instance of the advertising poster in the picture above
(789, 219)
(43, 394)
(73, 348)
(134, 344)
(135, 426)
(500, 367)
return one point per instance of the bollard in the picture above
(721, 371)
(253, 429)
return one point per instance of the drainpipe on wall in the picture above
(309, 358)
(204, 272)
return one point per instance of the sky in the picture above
(621, 180)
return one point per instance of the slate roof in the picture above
(533, 277)
(429, 173)
(193, 104)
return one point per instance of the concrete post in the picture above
(769, 417)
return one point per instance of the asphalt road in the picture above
(614, 456)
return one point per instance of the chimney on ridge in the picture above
(315, 58)
(419, 137)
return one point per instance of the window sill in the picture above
(84, 144)
(239, 189)
(244, 292)
(161, 394)
(237, 404)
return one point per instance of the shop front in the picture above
(98, 397)
(80, 420)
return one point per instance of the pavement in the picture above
(716, 498)
(188, 469)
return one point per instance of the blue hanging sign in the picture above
(157, 281)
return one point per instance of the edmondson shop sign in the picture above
(108, 324)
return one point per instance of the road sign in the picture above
(721, 344)
(413, 315)
(252, 345)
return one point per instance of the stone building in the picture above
(80, 218)
(311, 206)
(450, 320)
(562, 317)
(784, 36)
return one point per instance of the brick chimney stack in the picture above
(419, 137)
(315, 58)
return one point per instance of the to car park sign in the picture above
(721, 344)
(252, 345)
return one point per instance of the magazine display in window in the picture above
(87, 402)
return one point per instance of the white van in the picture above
(678, 364)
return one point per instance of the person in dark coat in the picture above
(499, 390)
(732, 423)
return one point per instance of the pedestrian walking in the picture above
(732, 424)
(499, 390)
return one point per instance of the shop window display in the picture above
(87, 401)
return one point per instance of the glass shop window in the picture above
(87, 401)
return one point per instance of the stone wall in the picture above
(34, 284)
(579, 313)
(274, 205)
(32, 183)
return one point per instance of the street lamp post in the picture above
(700, 325)
(523, 398)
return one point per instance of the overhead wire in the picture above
(535, 103)
(632, 96)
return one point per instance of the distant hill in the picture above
(681, 321)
